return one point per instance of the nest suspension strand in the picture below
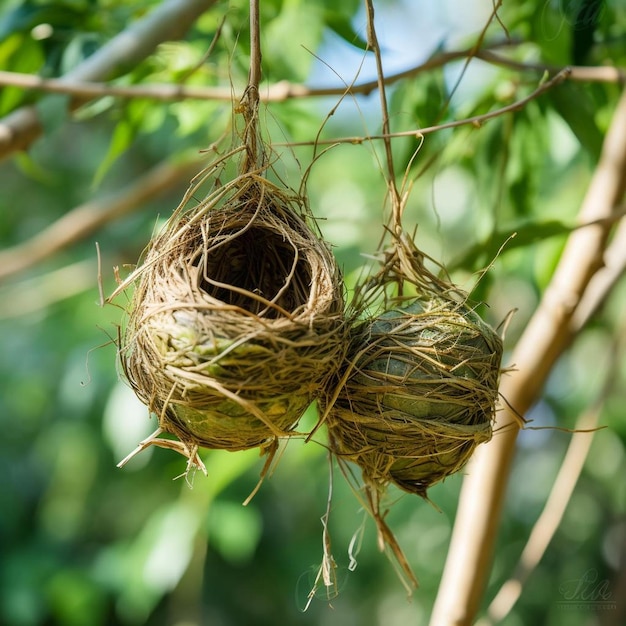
(419, 386)
(236, 322)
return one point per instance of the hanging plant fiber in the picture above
(236, 321)
(419, 390)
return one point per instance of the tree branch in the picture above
(555, 506)
(476, 120)
(548, 522)
(551, 516)
(545, 338)
(17, 300)
(86, 88)
(87, 218)
(284, 90)
(604, 280)
(168, 21)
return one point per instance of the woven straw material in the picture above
(237, 319)
(420, 386)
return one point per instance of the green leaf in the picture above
(507, 239)
(573, 104)
(151, 563)
(18, 53)
(585, 26)
(75, 599)
(423, 98)
(53, 111)
(341, 25)
(527, 157)
(25, 17)
(290, 40)
(122, 138)
(235, 530)
(551, 32)
(79, 48)
(32, 169)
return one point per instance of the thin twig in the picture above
(254, 77)
(87, 89)
(548, 333)
(396, 203)
(169, 21)
(476, 120)
(579, 73)
(250, 99)
(472, 54)
(101, 300)
(85, 219)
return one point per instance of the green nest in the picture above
(237, 319)
(419, 390)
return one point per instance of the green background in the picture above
(85, 543)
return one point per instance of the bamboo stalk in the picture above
(547, 335)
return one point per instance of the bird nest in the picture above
(420, 385)
(237, 319)
(418, 388)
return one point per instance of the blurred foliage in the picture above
(84, 543)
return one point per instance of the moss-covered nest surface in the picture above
(420, 383)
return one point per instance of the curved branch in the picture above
(575, 457)
(87, 218)
(475, 120)
(548, 333)
(551, 516)
(168, 21)
(88, 89)
(284, 90)
(604, 280)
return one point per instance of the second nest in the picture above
(420, 385)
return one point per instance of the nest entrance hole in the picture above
(256, 262)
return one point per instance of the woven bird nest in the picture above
(420, 386)
(236, 322)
